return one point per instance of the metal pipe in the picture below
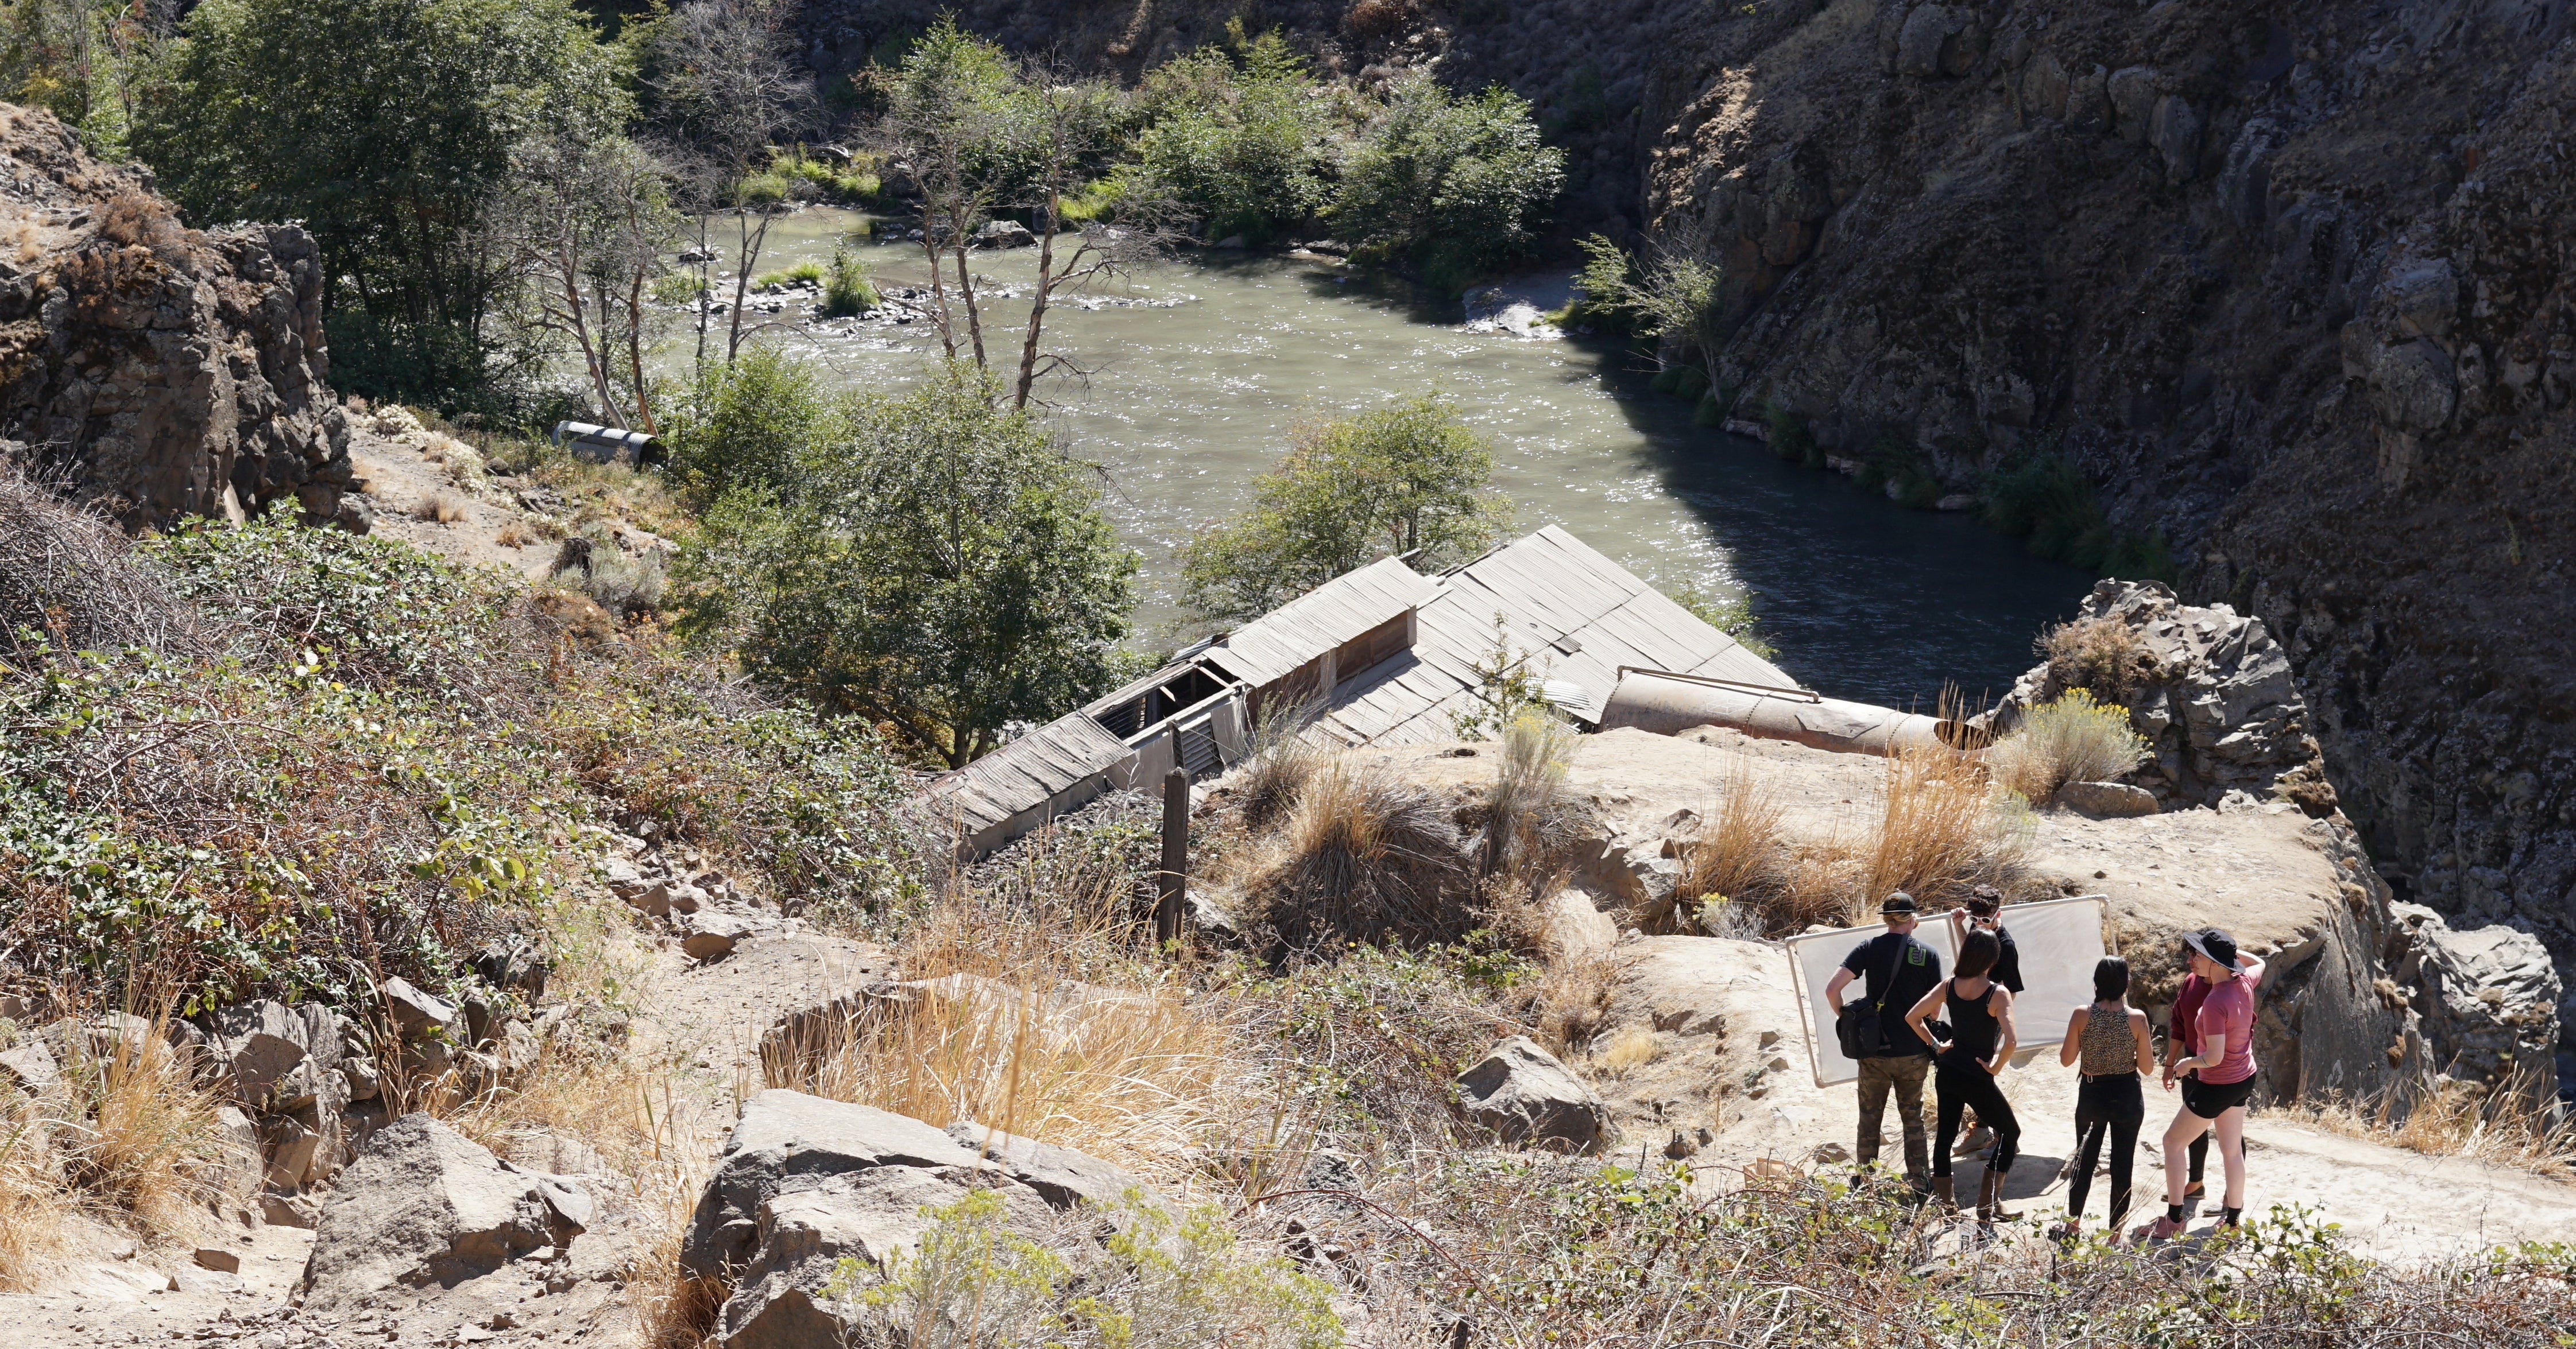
(1669, 704)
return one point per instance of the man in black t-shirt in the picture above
(1895, 971)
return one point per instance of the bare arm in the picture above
(2213, 1050)
(2073, 1045)
(2003, 1018)
(2146, 1042)
(1834, 990)
(1923, 1012)
(2254, 970)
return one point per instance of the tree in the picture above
(1673, 294)
(725, 83)
(933, 563)
(1244, 149)
(1456, 185)
(1410, 478)
(587, 223)
(389, 128)
(977, 133)
(745, 424)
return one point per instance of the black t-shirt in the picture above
(1917, 972)
(2007, 970)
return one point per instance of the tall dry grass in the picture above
(33, 1203)
(1941, 834)
(1363, 857)
(1738, 853)
(141, 1138)
(673, 1308)
(1281, 762)
(1531, 820)
(1016, 1030)
(2512, 1123)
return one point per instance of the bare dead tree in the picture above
(729, 84)
(587, 224)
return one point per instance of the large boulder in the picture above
(2208, 687)
(283, 1065)
(787, 1140)
(1061, 1176)
(2487, 999)
(804, 1235)
(423, 1204)
(1526, 1096)
(178, 373)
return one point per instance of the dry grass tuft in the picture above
(2073, 739)
(1573, 999)
(2102, 656)
(1738, 854)
(1363, 857)
(1627, 1051)
(1942, 834)
(1382, 18)
(142, 1132)
(71, 575)
(1282, 764)
(515, 535)
(440, 508)
(673, 1309)
(33, 1206)
(1531, 820)
(1015, 1034)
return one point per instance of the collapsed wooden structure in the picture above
(1383, 655)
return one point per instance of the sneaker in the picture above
(1978, 1140)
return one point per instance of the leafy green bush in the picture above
(1242, 147)
(1734, 617)
(1456, 186)
(847, 292)
(1159, 1280)
(745, 424)
(1790, 438)
(2046, 499)
(1412, 475)
(933, 563)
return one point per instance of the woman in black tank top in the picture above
(1981, 1042)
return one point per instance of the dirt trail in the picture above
(1726, 997)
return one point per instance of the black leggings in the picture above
(2116, 1106)
(1961, 1088)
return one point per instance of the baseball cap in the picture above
(1898, 904)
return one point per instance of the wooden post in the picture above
(1175, 878)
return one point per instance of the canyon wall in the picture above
(2294, 284)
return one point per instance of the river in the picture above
(1185, 405)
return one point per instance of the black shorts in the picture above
(2211, 1101)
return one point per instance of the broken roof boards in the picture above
(1572, 617)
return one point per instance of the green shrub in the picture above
(1455, 186)
(1734, 617)
(1157, 1280)
(2070, 739)
(847, 292)
(2045, 498)
(743, 425)
(1241, 146)
(1691, 382)
(802, 274)
(1790, 438)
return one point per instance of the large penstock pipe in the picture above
(1669, 704)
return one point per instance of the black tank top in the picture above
(1973, 1030)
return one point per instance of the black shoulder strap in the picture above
(1888, 984)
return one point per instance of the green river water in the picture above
(1184, 405)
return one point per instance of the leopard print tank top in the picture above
(2107, 1046)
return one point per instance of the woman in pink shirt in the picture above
(2217, 1076)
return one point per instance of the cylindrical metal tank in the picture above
(1669, 704)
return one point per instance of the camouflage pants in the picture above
(1906, 1076)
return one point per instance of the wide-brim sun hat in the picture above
(2216, 947)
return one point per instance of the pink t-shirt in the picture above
(2228, 1010)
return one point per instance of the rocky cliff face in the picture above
(2292, 283)
(161, 371)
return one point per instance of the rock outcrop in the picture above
(2209, 689)
(806, 1183)
(162, 371)
(423, 1204)
(1525, 1096)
